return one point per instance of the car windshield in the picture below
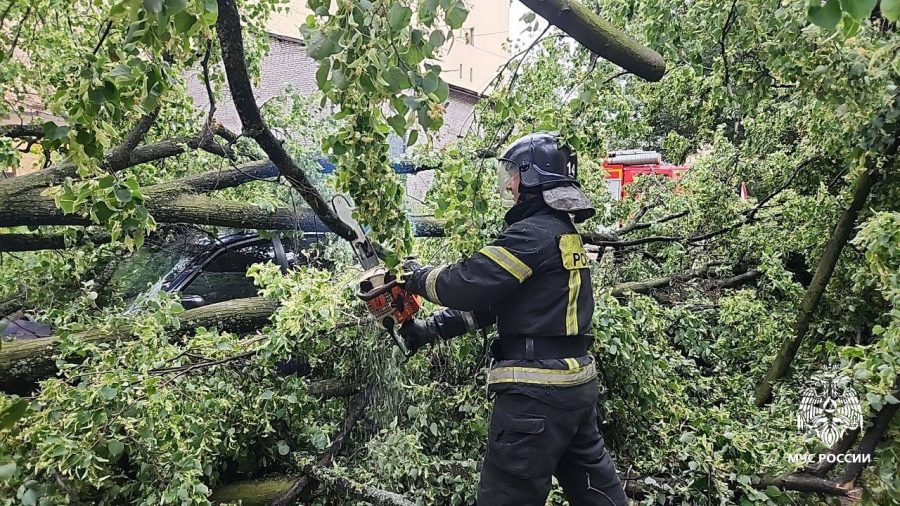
(148, 268)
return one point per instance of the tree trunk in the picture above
(601, 37)
(33, 209)
(24, 362)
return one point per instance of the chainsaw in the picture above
(388, 303)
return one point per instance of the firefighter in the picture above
(534, 282)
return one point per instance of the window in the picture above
(225, 277)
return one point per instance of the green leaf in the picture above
(826, 16)
(67, 204)
(154, 6)
(413, 137)
(115, 448)
(7, 471)
(398, 123)
(443, 91)
(183, 22)
(175, 6)
(12, 413)
(890, 9)
(31, 497)
(211, 11)
(858, 9)
(396, 78)
(322, 74)
(399, 16)
(268, 394)
(283, 448)
(427, 11)
(436, 38)
(123, 194)
(321, 46)
(101, 213)
(108, 393)
(528, 17)
(456, 15)
(430, 83)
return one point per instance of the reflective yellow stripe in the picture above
(572, 306)
(502, 257)
(533, 375)
(572, 363)
(431, 285)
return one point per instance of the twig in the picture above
(103, 35)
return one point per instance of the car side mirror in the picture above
(192, 301)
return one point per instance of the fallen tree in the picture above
(24, 362)
(866, 181)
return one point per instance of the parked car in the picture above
(202, 268)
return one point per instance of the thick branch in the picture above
(228, 27)
(804, 483)
(825, 269)
(220, 179)
(38, 181)
(356, 490)
(19, 131)
(134, 137)
(33, 242)
(637, 225)
(652, 284)
(600, 36)
(26, 361)
(870, 440)
(33, 209)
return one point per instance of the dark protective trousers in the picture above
(530, 441)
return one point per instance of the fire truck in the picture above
(623, 166)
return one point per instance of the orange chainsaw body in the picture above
(386, 300)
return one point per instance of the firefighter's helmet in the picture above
(547, 167)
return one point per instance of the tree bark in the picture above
(601, 37)
(825, 269)
(34, 209)
(805, 483)
(38, 181)
(870, 440)
(26, 361)
(10, 243)
(228, 28)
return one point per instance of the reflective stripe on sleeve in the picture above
(502, 257)
(469, 319)
(431, 285)
(572, 363)
(535, 376)
(572, 306)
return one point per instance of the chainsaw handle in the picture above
(375, 292)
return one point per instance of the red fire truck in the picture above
(622, 167)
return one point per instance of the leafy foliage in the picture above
(793, 99)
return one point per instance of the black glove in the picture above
(417, 333)
(410, 265)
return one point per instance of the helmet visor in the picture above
(507, 176)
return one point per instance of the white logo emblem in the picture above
(829, 406)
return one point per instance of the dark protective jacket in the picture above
(533, 280)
